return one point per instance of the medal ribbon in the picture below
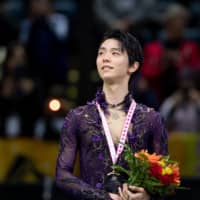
(120, 147)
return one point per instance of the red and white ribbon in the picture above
(115, 154)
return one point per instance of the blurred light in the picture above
(72, 92)
(73, 76)
(54, 105)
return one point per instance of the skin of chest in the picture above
(115, 121)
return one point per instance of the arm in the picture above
(160, 140)
(74, 187)
(159, 134)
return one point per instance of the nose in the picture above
(106, 57)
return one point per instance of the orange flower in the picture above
(152, 158)
(156, 173)
(176, 174)
(141, 154)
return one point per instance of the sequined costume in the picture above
(82, 131)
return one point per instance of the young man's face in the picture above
(112, 62)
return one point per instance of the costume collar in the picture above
(100, 98)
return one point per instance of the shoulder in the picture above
(153, 119)
(144, 109)
(149, 113)
(73, 117)
(80, 111)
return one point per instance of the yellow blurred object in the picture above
(183, 147)
(54, 105)
(36, 157)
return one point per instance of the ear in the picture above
(134, 67)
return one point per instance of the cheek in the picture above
(98, 62)
(122, 65)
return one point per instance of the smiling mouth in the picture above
(106, 67)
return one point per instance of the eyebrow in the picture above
(113, 49)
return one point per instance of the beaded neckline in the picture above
(100, 98)
(116, 105)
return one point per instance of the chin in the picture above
(108, 78)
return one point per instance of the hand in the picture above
(115, 196)
(129, 192)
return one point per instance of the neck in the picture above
(115, 93)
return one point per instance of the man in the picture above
(95, 129)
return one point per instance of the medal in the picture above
(113, 180)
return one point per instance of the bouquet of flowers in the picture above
(156, 173)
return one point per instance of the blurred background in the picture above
(47, 66)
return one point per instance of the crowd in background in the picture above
(48, 49)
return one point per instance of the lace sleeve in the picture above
(159, 134)
(160, 140)
(74, 187)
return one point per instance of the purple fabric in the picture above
(82, 131)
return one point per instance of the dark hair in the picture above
(130, 44)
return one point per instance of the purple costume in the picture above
(82, 131)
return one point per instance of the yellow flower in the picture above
(162, 163)
(167, 170)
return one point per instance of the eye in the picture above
(115, 53)
(100, 53)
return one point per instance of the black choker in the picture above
(116, 105)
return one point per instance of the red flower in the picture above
(162, 175)
(166, 179)
(155, 170)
